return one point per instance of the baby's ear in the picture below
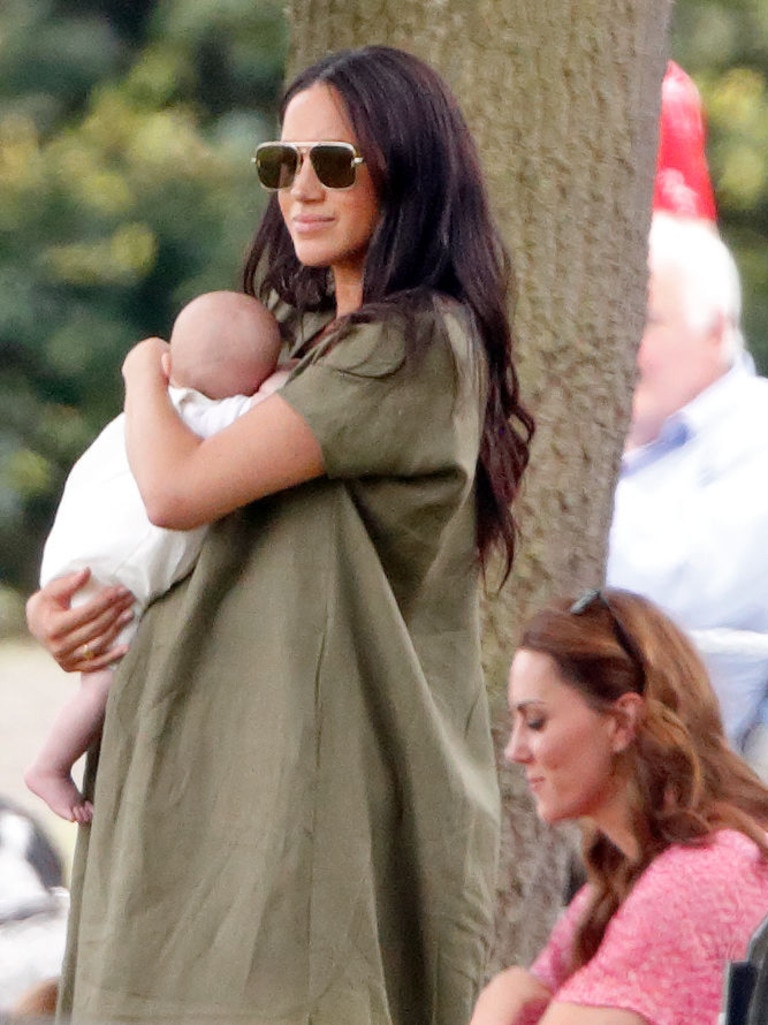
(165, 363)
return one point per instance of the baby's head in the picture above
(222, 344)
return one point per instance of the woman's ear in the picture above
(165, 363)
(627, 712)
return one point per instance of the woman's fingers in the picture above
(79, 638)
(82, 662)
(92, 647)
(55, 596)
(87, 645)
(98, 612)
(96, 622)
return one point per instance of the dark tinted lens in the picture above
(334, 164)
(276, 165)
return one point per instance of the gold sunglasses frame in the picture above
(303, 150)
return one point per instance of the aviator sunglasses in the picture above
(625, 639)
(334, 163)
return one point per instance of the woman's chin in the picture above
(551, 816)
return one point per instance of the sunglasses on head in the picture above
(334, 163)
(625, 639)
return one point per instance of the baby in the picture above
(224, 349)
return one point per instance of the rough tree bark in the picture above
(563, 98)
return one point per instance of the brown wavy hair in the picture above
(685, 782)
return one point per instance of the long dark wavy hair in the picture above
(435, 235)
(685, 782)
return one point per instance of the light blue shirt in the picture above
(690, 531)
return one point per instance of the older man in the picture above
(690, 525)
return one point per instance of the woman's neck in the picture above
(348, 287)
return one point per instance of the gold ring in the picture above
(87, 652)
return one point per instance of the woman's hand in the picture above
(81, 638)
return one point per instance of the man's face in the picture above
(676, 361)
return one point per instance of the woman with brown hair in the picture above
(615, 724)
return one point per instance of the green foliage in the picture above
(724, 47)
(125, 188)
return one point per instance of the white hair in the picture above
(711, 285)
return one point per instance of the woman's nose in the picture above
(516, 750)
(306, 184)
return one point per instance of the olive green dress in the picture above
(296, 806)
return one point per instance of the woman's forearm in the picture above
(510, 997)
(186, 481)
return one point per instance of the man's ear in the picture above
(165, 363)
(627, 712)
(716, 337)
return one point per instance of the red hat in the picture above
(683, 185)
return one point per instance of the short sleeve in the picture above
(664, 952)
(399, 397)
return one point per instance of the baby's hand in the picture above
(148, 359)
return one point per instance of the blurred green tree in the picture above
(125, 188)
(723, 45)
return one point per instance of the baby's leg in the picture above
(74, 729)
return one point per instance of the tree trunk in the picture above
(563, 98)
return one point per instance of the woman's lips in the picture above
(310, 225)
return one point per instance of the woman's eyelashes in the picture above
(536, 723)
(531, 718)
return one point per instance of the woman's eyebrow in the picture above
(520, 706)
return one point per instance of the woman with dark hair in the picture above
(616, 725)
(295, 812)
